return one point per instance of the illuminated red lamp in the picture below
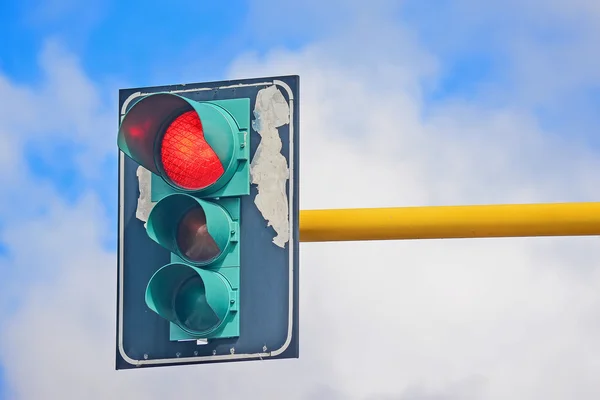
(193, 146)
(187, 159)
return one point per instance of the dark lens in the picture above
(193, 238)
(191, 307)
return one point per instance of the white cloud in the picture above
(485, 319)
(546, 49)
(64, 106)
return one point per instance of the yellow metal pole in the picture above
(559, 219)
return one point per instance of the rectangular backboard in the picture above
(268, 311)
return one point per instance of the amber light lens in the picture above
(193, 238)
(187, 159)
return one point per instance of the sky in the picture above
(402, 103)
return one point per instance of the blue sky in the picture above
(114, 42)
(470, 102)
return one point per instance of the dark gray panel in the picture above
(264, 280)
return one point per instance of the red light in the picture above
(187, 159)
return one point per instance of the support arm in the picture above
(438, 222)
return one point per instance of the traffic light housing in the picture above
(189, 261)
(193, 146)
(198, 153)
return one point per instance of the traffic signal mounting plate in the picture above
(268, 244)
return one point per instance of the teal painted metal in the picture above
(198, 293)
(229, 141)
(222, 222)
(226, 126)
(167, 215)
(197, 301)
(230, 326)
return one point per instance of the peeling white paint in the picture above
(145, 204)
(269, 169)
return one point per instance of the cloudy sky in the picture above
(402, 103)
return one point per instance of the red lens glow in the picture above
(187, 159)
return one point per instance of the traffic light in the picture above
(199, 150)
(202, 277)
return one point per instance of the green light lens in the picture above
(192, 309)
(196, 300)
